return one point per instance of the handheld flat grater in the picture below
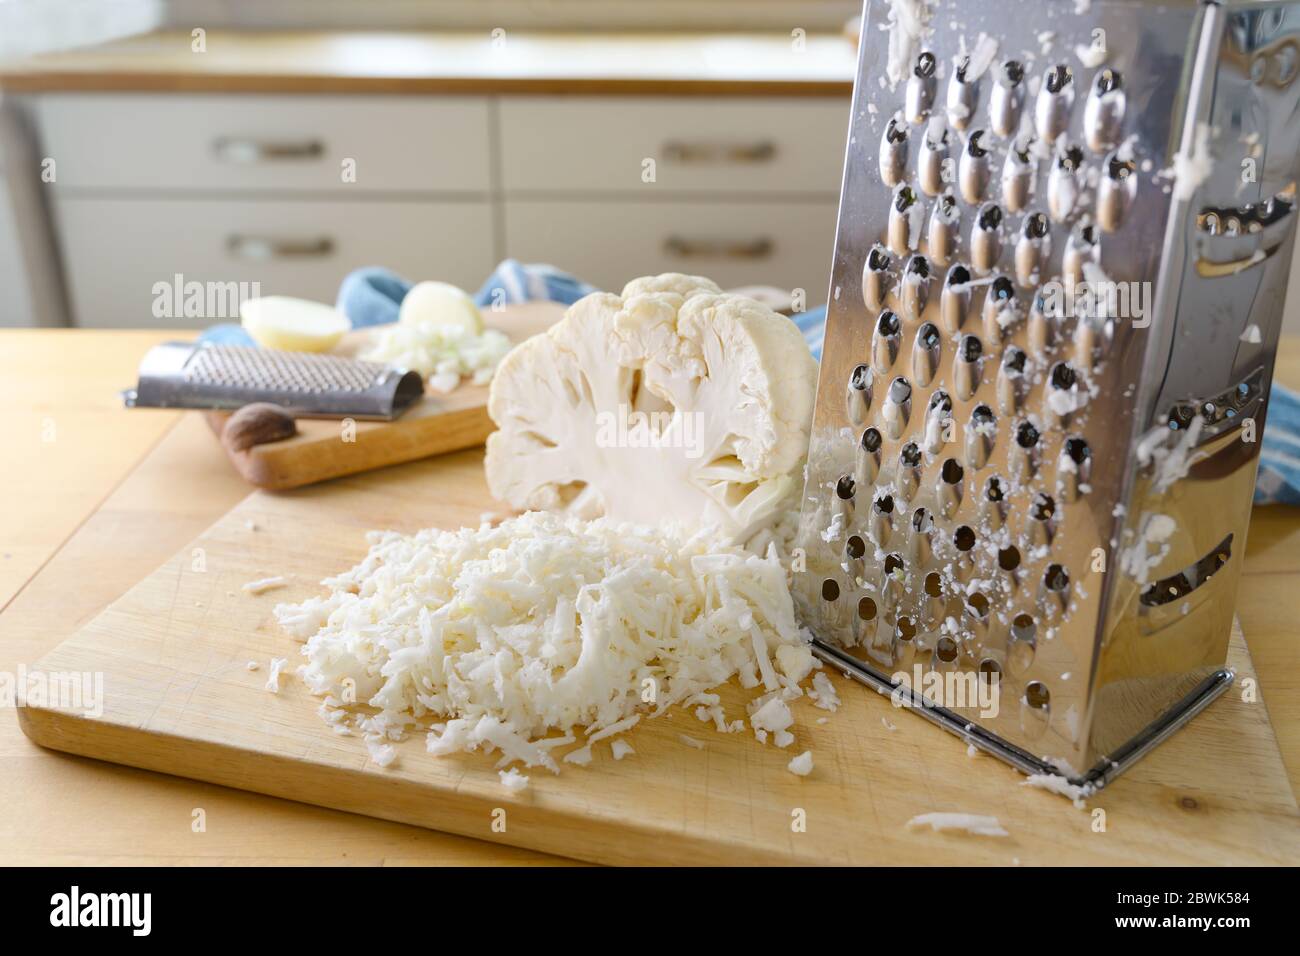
(185, 375)
(1064, 237)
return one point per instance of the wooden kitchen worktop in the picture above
(427, 62)
(70, 515)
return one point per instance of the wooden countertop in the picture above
(71, 445)
(449, 63)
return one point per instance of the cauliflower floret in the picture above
(673, 402)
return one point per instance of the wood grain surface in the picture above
(436, 424)
(428, 62)
(179, 698)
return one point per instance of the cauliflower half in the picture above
(672, 403)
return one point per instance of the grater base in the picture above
(990, 743)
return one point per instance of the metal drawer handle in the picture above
(262, 248)
(705, 249)
(703, 152)
(234, 150)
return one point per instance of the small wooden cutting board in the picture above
(435, 425)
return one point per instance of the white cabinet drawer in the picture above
(116, 252)
(785, 244)
(726, 145)
(266, 142)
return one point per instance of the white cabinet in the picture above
(784, 244)
(342, 144)
(293, 192)
(603, 144)
(120, 249)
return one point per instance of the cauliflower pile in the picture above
(498, 637)
(439, 333)
(673, 402)
(443, 354)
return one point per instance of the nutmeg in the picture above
(257, 424)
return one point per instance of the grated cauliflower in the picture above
(498, 637)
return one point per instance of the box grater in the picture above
(206, 375)
(1064, 236)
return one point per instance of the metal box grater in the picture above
(1022, 467)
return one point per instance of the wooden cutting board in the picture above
(178, 698)
(435, 425)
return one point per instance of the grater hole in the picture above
(860, 379)
(995, 490)
(1059, 77)
(1063, 376)
(855, 547)
(1120, 169)
(1026, 435)
(1037, 226)
(964, 538)
(910, 455)
(971, 348)
(1181, 416)
(945, 649)
(845, 488)
(1023, 628)
(867, 609)
(1009, 558)
(926, 64)
(928, 338)
(887, 325)
(904, 198)
(1108, 81)
(900, 391)
(1077, 450)
(1014, 360)
(940, 403)
(1002, 290)
(918, 266)
(991, 669)
(906, 629)
(990, 217)
(884, 504)
(894, 562)
(830, 590)
(878, 259)
(933, 584)
(1069, 159)
(1037, 695)
(982, 416)
(1013, 71)
(871, 441)
(1043, 507)
(978, 604)
(1056, 578)
(952, 472)
(921, 521)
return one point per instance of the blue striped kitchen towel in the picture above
(373, 296)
